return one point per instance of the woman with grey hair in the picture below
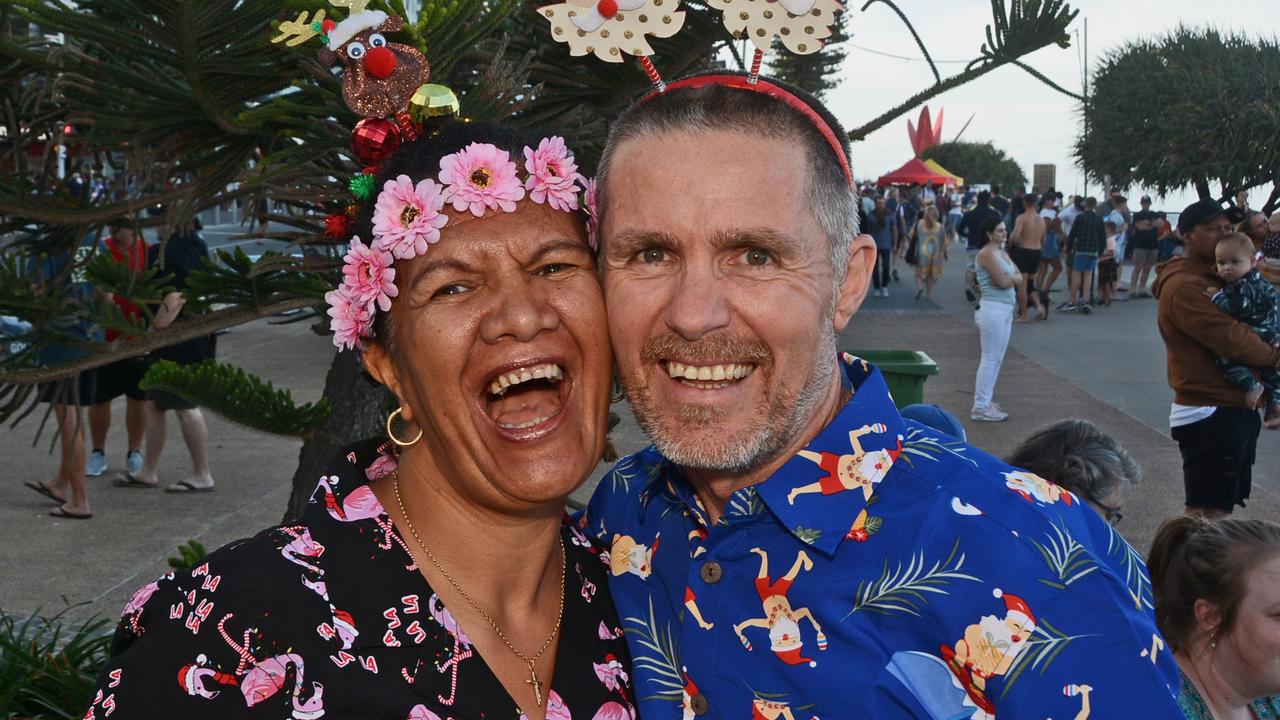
(1076, 455)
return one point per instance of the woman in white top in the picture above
(997, 277)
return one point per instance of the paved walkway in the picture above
(1107, 367)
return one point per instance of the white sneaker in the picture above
(884, 292)
(988, 414)
(133, 461)
(97, 464)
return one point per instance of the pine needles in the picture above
(238, 396)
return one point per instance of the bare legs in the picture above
(1026, 299)
(195, 435)
(135, 423)
(1138, 279)
(99, 423)
(71, 461)
(1081, 284)
(1045, 265)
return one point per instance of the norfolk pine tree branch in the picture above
(195, 327)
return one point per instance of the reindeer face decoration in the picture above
(379, 75)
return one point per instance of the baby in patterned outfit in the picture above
(1248, 297)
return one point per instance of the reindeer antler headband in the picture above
(386, 83)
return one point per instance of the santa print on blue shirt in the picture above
(888, 571)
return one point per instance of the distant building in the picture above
(1044, 177)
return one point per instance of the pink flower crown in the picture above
(407, 220)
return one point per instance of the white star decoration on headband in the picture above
(613, 29)
(802, 25)
(408, 217)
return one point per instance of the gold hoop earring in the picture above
(391, 433)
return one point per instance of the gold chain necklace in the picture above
(530, 661)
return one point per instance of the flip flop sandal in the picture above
(127, 480)
(45, 491)
(60, 512)
(185, 487)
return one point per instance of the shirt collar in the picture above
(808, 500)
(818, 494)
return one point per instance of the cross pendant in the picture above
(537, 685)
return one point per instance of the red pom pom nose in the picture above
(380, 62)
(607, 8)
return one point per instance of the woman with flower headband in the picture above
(432, 575)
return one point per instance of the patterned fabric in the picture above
(930, 248)
(1251, 300)
(1088, 233)
(1195, 708)
(1271, 246)
(331, 618)
(885, 571)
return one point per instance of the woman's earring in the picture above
(391, 433)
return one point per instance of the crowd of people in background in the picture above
(1018, 247)
(97, 388)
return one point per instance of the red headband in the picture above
(764, 87)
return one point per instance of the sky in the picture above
(1030, 121)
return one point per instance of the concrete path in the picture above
(1108, 367)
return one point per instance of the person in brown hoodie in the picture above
(1215, 425)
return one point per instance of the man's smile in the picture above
(708, 377)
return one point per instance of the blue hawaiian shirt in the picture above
(888, 571)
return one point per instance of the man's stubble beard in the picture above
(694, 440)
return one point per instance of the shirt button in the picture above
(698, 703)
(711, 572)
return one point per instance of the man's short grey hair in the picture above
(718, 108)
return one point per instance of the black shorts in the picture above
(121, 378)
(1217, 458)
(169, 401)
(1108, 271)
(1028, 263)
(79, 390)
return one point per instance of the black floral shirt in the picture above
(330, 617)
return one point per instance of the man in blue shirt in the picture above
(791, 547)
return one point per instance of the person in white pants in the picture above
(997, 278)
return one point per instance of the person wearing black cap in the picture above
(1146, 240)
(1215, 425)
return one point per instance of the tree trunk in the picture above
(1273, 201)
(357, 414)
(1202, 188)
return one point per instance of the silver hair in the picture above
(718, 108)
(1078, 456)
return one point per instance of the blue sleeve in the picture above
(1232, 299)
(1092, 645)
(1078, 561)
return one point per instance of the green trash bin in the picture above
(905, 372)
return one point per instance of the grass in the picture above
(48, 666)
